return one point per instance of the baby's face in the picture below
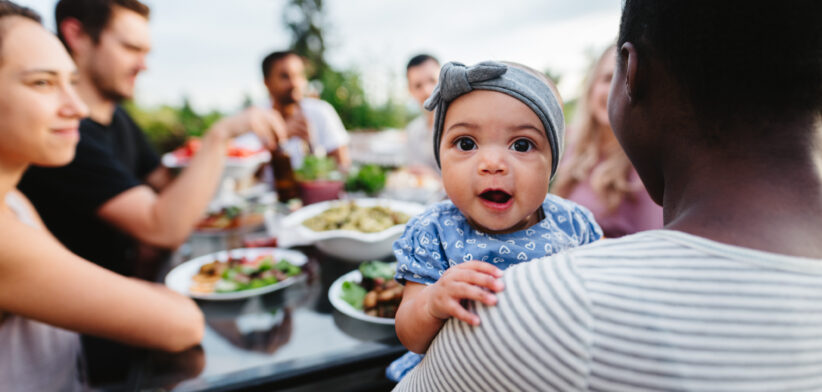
(496, 161)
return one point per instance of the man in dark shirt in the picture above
(115, 195)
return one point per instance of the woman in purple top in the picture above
(595, 172)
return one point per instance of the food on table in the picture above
(241, 273)
(318, 168)
(230, 217)
(369, 178)
(350, 216)
(377, 294)
(191, 147)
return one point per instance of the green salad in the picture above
(239, 274)
(377, 294)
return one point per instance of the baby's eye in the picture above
(522, 145)
(465, 144)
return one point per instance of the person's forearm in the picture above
(415, 325)
(182, 203)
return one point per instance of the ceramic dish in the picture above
(179, 278)
(348, 245)
(345, 308)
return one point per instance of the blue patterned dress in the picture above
(441, 237)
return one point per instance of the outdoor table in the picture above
(290, 339)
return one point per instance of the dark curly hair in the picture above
(734, 59)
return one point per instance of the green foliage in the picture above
(306, 19)
(167, 127)
(369, 178)
(342, 89)
(318, 168)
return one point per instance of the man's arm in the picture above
(166, 219)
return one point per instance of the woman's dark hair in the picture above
(734, 58)
(93, 15)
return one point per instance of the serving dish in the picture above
(335, 291)
(235, 167)
(180, 278)
(349, 245)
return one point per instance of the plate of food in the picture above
(242, 160)
(353, 230)
(368, 293)
(238, 273)
(234, 217)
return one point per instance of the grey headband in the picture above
(456, 79)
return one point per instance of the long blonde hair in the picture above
(607, 166)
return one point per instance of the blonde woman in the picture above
(48, 294)
(595, 171)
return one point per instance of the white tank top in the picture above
(35, 356)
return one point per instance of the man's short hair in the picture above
(419, 59)
(94, 15)
(274, 57)
(734, 59)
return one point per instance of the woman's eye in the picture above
(465, 144)
(522, 145)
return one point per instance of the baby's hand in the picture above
(464, 281)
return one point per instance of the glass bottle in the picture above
(285, 182)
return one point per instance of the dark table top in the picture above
(290, 339)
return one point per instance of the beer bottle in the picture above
(285, 182)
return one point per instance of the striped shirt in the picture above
(660, 310)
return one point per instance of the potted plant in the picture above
(319, 180)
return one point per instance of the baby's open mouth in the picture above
(496, 196)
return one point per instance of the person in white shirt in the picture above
(311, 124)
(422, 72)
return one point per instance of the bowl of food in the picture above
(237, 274)
(368, 293)
(352, 230)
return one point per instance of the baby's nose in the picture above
(492, 161)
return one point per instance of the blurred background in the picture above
(206, 54)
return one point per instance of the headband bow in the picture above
(456, 79)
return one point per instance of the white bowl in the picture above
(345, 308)
(348, 245)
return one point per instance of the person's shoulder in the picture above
(640, 249)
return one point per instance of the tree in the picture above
(305, 19)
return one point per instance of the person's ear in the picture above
(633, 74)
(75, 36)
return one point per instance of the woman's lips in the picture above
(67, 132)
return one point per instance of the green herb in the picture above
(288, 268)
(378, 269)
(353, 293)
(369, 179)
(318, 168)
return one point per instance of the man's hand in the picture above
(297, 126)
(463, 281)
(267, 124)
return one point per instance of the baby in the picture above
(498, 137)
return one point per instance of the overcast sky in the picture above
(209, 50)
